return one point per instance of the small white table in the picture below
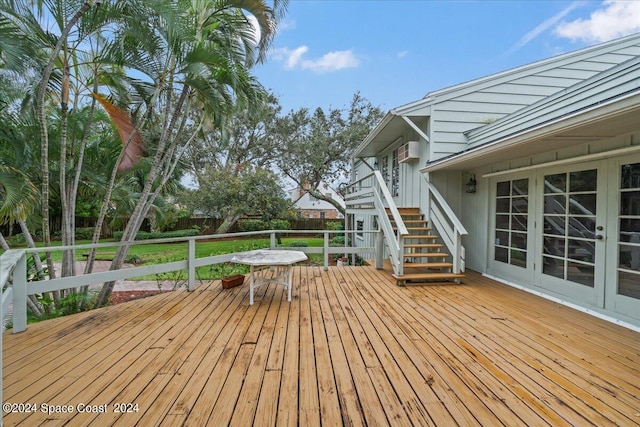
(281, 261)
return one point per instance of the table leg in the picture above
(290, 282)
(251, 286)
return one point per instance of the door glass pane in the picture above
(512, 208)
(583, 250)
(582, 227)
(519, 222)
(582, 204)
(554, 225)
(502, 221)
(629, 237)
(583, 181)
(503, 188)
(520, 187)
(519, 258)
(520, 205)
(581, 273)
(569, 225)
(555, 205)
(630, 176)
(503, 205)
(555, 183)
(554, 246)
(553, 267)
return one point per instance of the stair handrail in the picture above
(449, 227)
(373, 189)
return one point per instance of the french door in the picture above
(623, 246)
(573, 225)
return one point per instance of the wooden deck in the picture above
(352, 348)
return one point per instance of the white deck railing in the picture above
(370, 195)
(14, 266)
(449, 227)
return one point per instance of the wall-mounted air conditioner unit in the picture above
(408, 152)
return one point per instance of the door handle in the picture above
(599, 237)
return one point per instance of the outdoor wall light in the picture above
(471, 184)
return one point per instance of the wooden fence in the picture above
(205, 225)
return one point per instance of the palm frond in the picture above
(18, 195)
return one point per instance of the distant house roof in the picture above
(306, 201)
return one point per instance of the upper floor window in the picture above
(395, 175)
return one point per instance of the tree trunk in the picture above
(44, 135)
(226, 225)
(146, 198)
(3, 243)
(32, 303)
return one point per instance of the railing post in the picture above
(20, 295)
(326, 251)
(379, 249)
(400, 271)
(272, 240)
(191, 259)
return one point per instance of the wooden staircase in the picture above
(425, 260)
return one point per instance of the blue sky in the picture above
(396, 51)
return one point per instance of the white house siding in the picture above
(620, 79)
(474, 105)
(476, 212)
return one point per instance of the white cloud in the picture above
(402, 54)
(287, 24)
(294, 57)
(332, 61)
(543, 26)
(615, 19)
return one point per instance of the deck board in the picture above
(351, 348)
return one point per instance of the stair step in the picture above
(418, 229)
(426, 255)
(423, 245)
(414, 222)
(408, 211)
(421, 237)
(428, 265)
(428, 276)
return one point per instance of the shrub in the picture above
(16, 240)
(334, 225)
(279, 224)
(84, 233)
(338, 240)
(143, 235)
(252, 225)
(298, 244)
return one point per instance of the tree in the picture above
(198, 56)
(252, 191)
(188, 65)
(229, 162)
(316, 148)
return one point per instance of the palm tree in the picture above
(197, 56)
(190, 60)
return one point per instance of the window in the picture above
(385, 169)
(569, 226)
(512, 214)
(629, 238)
(360, 229)
(395, 175)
